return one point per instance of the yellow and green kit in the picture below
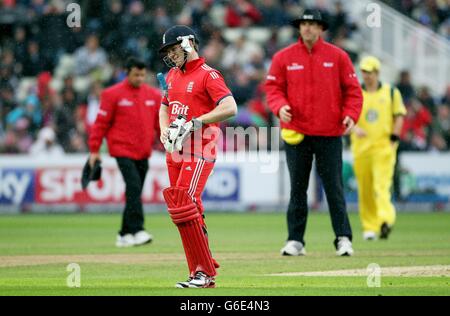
(375, 156)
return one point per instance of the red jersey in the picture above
(128, 118)
(193, 92)
(321, 88)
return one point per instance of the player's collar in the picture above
(129, 85)
(317, 45)
(193, 64)
(380, 85)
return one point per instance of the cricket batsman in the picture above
(196, 100)
(374, 145)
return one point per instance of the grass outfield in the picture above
(35, 251)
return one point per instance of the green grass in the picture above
(246, 245)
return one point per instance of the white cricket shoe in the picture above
(293, 248)
(369, 236)
(125, 241)
(201, 280)
(142, 238)
(344, 247)
(183, 284)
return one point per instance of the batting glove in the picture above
(188, 128)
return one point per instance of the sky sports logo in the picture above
(16, 186)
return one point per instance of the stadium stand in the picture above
(51, 75)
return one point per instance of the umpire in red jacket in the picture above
(312, 87)
(128, 118)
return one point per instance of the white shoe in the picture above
(201, 280)
(183, 284)
(142, 238)
(125, 241)
(293, 248)
(344, 247)
(370, 236)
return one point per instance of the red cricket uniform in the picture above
(128, 117)
(194, 92)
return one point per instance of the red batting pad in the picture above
(185, 215)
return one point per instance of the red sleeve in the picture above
(352, 93)
(216, 87)
(102, 122)
(275, 85)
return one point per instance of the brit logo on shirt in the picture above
(190, 86)
(179, 108)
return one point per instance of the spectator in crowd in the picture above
(430, 13)
(405, 86)
(415, 127)
(9, 66)
(90, 57)
(111, 22)
(441, 124)
(339, 22)
(53, 30)
(63, 121)
(69, 95)
(77, 142)
(136, 26)
(241, 13)
(93, 103)
(424, 96)
(46, 145)
(272, 13)
(34, 62)
(30, 111)
(241, 85)
(213, 50)
(20, 139)
(20, 46)
(75, 38)
(161, 19)
(240, 52)
(7, 102)
(437, 142)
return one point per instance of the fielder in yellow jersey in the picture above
(374, 145)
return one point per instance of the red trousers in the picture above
(192, 175)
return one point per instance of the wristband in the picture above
(394, 138)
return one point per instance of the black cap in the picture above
(310, 15)
(90, 174)
(172, 36)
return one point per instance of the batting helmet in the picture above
(175, 35)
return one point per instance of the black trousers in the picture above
(328, 154)
(133, 173)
